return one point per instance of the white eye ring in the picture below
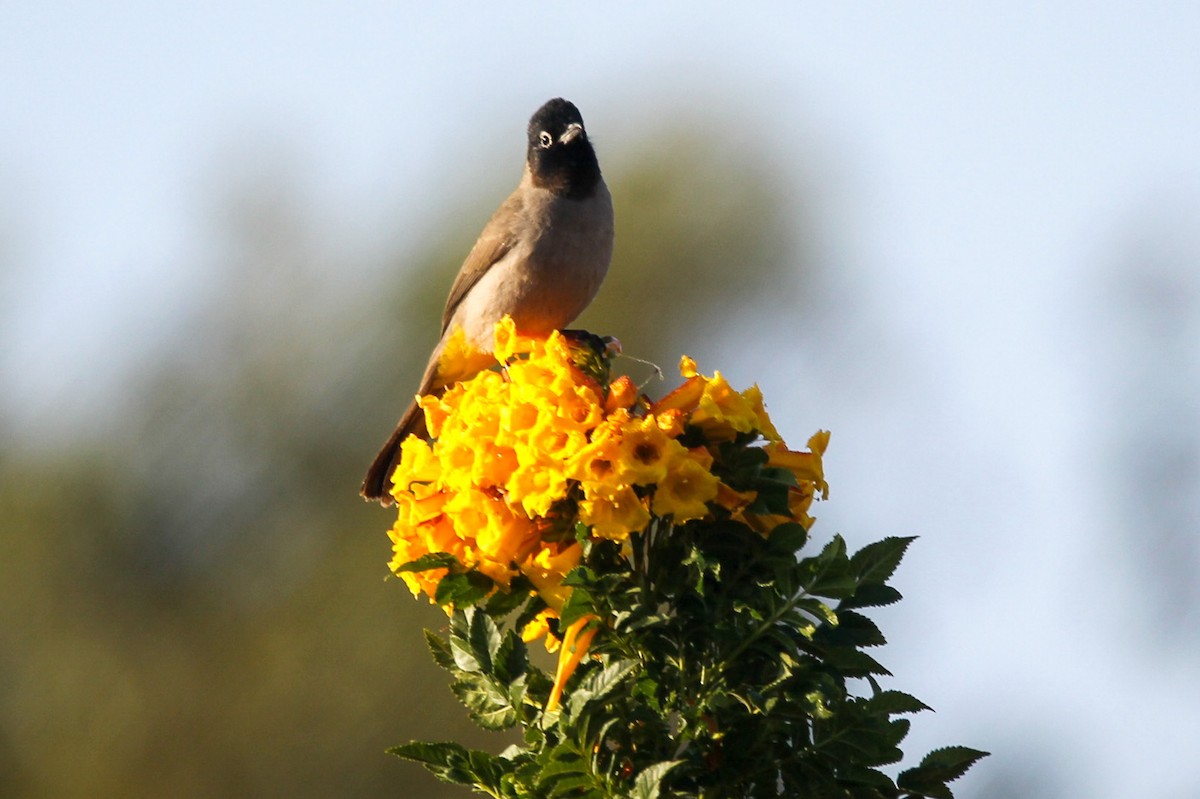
(545, 139)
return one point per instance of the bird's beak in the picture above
(572, 132)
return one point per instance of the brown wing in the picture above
(498, 237)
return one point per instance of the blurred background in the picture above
(965, 239)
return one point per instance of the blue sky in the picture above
(981, 163)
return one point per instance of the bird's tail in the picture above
(375, 485)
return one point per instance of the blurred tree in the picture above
(1152, 378)
(198, 605)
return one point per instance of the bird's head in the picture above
(559, 155)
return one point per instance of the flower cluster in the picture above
(657, 545)
(525, 459)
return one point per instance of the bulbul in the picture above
(540, 259)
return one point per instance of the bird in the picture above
(540, 259)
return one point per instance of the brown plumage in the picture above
(540, 259)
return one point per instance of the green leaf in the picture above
(648, 784)
(511, 659)
(431, 560)
(484, 637)
(829, 573)
(894, 702)
(505, 601)
(876, 562)
(580, 576)
(788, 537)
(871, 596)
(859, 775)
(463, 590)
(579, 604)
(938, 768)
(854, 663)
(465, 656)
(451, 762)
(772, 497)
(562, 762)
(853, 629)
(599, 685)
(819, 610)
(442, 654)
(486, 699)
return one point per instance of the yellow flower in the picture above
(622, 393)
(579, 409)
(507, 537)
(683, 398)
(646, 452)
(734, 501)
(754, 398)
(615, 515)
(507, 342)
(685, 492)
(538, 627)
(671, 422)
(576, 641)
(460, 359)
(514, 446)
(723, 412)
(805, 466)
(493, 467)
(546, 569)
(536, 487)
(596, 465)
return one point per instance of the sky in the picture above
(981, 166)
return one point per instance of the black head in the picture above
(560, 156)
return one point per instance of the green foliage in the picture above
(728, 666)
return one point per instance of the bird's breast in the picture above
(559, 259)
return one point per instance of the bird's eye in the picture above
(545, 139)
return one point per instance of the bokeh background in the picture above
(965, 238)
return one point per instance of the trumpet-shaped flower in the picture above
(685, 491)
(544, 444)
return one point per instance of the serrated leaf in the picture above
(505, 601)
(597, 686)
(876, 562)
(488, 701)
(788, 537)
(853, 662)
(580, 575)
(772, 498)
(575, 786)
(860, 775)
(451, 762)
(579, 604)
(442, 654)
(484, 638)
(829, 574)
(430, 560)
(938, 768)
(872, 596)
(463, 590)
(853, 629)
(648, 784)
(461, 648)
(895, 702)
(445, 754)
(563, 760)
(819, 610)
(511, 659)
(601, 684)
